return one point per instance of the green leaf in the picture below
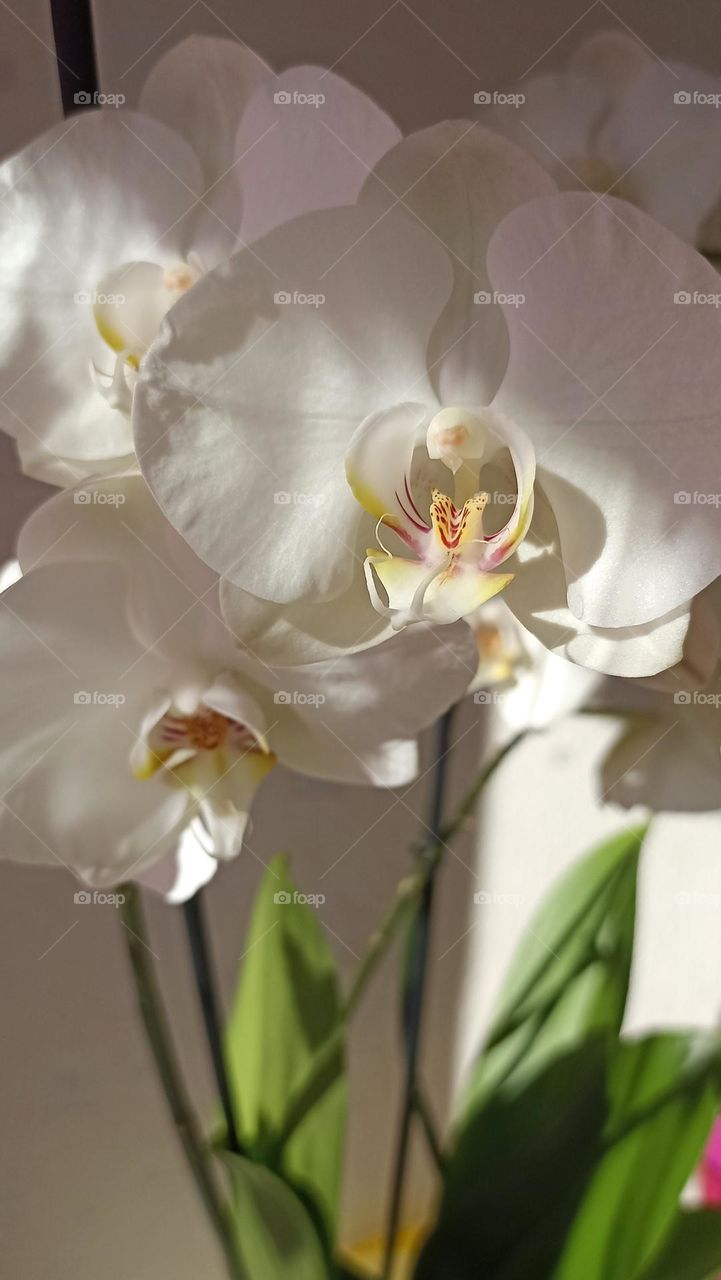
(633, 1197)
(287, 1005)
(569, 977)
(276, 1237)
(517, 1174)
(692, 1251)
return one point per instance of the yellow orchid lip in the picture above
(179, 737)
(456, 528)
(449, 573)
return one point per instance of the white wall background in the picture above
(93, 1181)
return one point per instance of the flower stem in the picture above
(471, 796)
(205, 986)
(427, 1121)
(154, 1019)
(319, 1074)
(416, 983)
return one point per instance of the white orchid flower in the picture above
(503, 648)
(525, 685)
(130, 711)
(667, 755)
(619, 119)
(189, 864)
(111, 216)
(518, 402)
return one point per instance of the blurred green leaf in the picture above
(288, 1005)
(693, 1250)
(276, 1237)
(633, 1197)
(520, 1167)
(569, 977)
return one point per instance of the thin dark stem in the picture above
(319, 1075)
(471, 796)
(416, 983)
(205, 986)
(152, 1012)
(428, 1124)
(75, 53)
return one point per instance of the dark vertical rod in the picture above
(205, 986)
(75, 53)
(415, 987)
(154, 1019)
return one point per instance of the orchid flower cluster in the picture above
(315, 394)
(345, 425)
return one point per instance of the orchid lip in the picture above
(178, 736)
(129, 305)
(451, 553)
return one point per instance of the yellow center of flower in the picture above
(206, 730)
(179, 736)
(456, 529)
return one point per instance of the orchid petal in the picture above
(620, 398)
(378, 468)
(458, 180)
(354, 719)
(304, 632)
(258, 399)
(224, 789)
(201, 88)
(612, 60)
(417, 594)
(556, 124)
(664, 764)
(189, 867)
(173, 597)
(73, 206)
(69, 796)
(686, 639)
(663, 137)
(307, 140)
